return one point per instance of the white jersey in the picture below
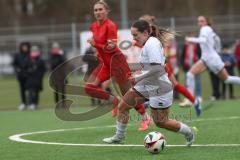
(152, 52)
(158, 89)
(206, 41)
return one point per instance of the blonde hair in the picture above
(102, 2)
(164, 35)
(150, 19)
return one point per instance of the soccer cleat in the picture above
(22, 107)
(32, 107)
(191, 138)
(185, 103)
(115, 107)
(113, 140)
(145, 124)
(198, 107)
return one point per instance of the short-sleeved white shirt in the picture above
(207, 47)
(209, 53)
(152, 87)
(152, 52)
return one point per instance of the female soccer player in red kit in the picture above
(113, 62)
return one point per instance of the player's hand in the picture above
(132, 80)
(110, 46)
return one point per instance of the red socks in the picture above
(183, 90)
(96, 92)
(140, 109)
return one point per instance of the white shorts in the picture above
(214, 63)
(157, 96)
(161, 102)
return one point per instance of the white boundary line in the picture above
(215, 119)
(18, 138)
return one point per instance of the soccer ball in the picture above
(154, 142)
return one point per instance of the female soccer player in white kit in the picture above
(153, 85)
(209, 59)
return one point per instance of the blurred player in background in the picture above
(190, 54)
(209, 58)
(152, 85)
(112, 62)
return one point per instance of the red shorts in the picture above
(116, 68)
(168, 70)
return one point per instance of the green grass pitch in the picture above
(219, 124)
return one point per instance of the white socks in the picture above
(145, 116)
(190, 83)
(121, 129)
(232, 80)
(184, 129)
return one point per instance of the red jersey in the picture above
(101, 34)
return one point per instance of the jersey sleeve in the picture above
(155, 51)
(99, 45)
(205, 31)
(202, 37)
(197, 39)
(112, 32)
(111, 35)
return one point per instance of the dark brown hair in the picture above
(209, 21)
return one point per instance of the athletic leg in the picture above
(181, 89)
(198, 86)
(197, 68)
(22, 88)
(224, 76)
(92, 88)
(121, 73)
(161, 119)
(129, 100)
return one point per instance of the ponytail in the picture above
(164, 35)
(209, 21)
